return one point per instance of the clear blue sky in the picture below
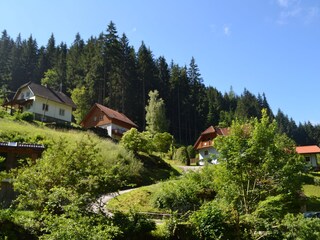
(266, 46)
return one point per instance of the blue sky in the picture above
(265, 46)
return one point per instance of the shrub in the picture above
(212, 221)
(26, 116)
(162, 142)
(134, 225)
(181, 154)
(178, 195)
(191, 151)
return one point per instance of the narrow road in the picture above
(99, 205)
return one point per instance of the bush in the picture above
(162, 142)
(212, 221)
(134, 225)
(27, 116)
(178, 195)
(191, 151)
(181, 154)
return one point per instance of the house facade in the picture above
(310, 154)
(114, 122)
(46, 104)
(204, 144)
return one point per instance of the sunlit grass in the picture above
(139, 200)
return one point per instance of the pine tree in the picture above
(74, 62)
(147, 77)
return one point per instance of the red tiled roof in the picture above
(115, 115)
(308, 149)
(211, 129)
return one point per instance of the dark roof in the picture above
(46, 92)
(115, 115)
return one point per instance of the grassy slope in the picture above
(155, 168)
(311, 189)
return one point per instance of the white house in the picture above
(310, 154)
(46, 104)
(204, 144)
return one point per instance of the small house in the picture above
(204, 144)
(114, 122)
(310, 154)
(46, 104)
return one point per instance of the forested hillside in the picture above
(106, 69)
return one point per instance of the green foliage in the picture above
(12, 227)
(187, 193)
(133, 225)
(69, 176)
(155, 116)
(212, 221)
(79, 227)
(80, 96)
(134, 141)
(181, 154)
(256, 162)
(51, 79)
(298, 227)
(191, 151)
(162, 142)
(25, 116)
(146, 142)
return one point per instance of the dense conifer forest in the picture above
(106, 69)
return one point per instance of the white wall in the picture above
(112, 126)
(53, 107)
(210, 151)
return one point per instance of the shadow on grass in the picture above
(155, 169)
(313, 204)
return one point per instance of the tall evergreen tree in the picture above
(74, 62)
(197, 99)
(147, 77)
(6, 44)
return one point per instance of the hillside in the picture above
(152, 168)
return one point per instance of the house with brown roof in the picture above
(46, 104)
(204, 144)
(310, 154)
(114, 122)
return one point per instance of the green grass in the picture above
(311, 189)
(138, 200)
(155, 168)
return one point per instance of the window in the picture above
(307, 159)
(95, 118)
(101, 117)
(205, 153)
(27, 94)
(45, 107)
(22, 95)
(28, 106)
(61, 112)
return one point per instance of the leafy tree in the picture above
(134, 141)
(162, 142)
(156, 114)
(51, 79)
(256, 162)
(81, 98)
